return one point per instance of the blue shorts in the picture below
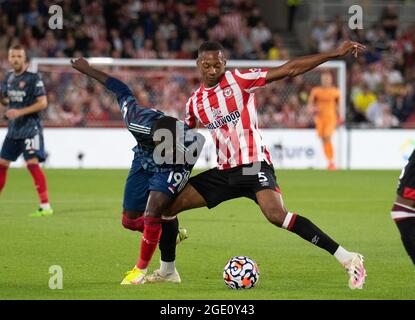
(140, 182)
(31, 148)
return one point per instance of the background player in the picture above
(324, 103)
(225, 104)
(24, 94)
(150, 187)
(403, 210)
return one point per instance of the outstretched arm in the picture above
(83, 66)
(119, 88)
(301, 65)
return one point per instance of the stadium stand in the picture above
(173, 29)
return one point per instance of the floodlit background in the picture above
(152, 45)
(377, 89)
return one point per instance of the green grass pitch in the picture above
(86, 239)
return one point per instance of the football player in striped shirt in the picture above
(225, 104)
(24, 95)
(158, 173)
(403, 210)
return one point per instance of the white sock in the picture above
(342, 255)
(45, 206)
(167, 267)
(144, 270)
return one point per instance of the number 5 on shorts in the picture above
(262, 177)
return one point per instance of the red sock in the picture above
(40, 182)
(133, 224)
(3, 175)
(149, 242)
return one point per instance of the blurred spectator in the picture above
(260, 33)
(362, 102)
(277, 50)
(404, 104)
(292, 11)
(317, 35)
(372, 77)
(390, 20)
(169, 29)
(379, 113)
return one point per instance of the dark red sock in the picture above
(136, 224)
(151, 237)
(3, 175)
(40, 182)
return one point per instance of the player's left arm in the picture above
(301, 65)
(40, 104)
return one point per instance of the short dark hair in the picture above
(17, 47)
(168, 123)
(210, 46)
(165, 123)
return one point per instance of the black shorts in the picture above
(406, 188)
(217, 186)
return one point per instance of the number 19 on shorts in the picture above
(178, 180)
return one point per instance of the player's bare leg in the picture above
(329, 152)
(39, 179)
(403, 212)
(157, 203)
(272, 206)
(188, 199)
(4, 166)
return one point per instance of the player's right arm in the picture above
(3, 100)
(84, 67)
(3, 94)
(119, 88)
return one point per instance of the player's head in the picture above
(211, 62)
(17, 57)
(167, 123)
(326, 79)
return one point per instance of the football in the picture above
(241, 272)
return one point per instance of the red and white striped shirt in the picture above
(229, 111)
